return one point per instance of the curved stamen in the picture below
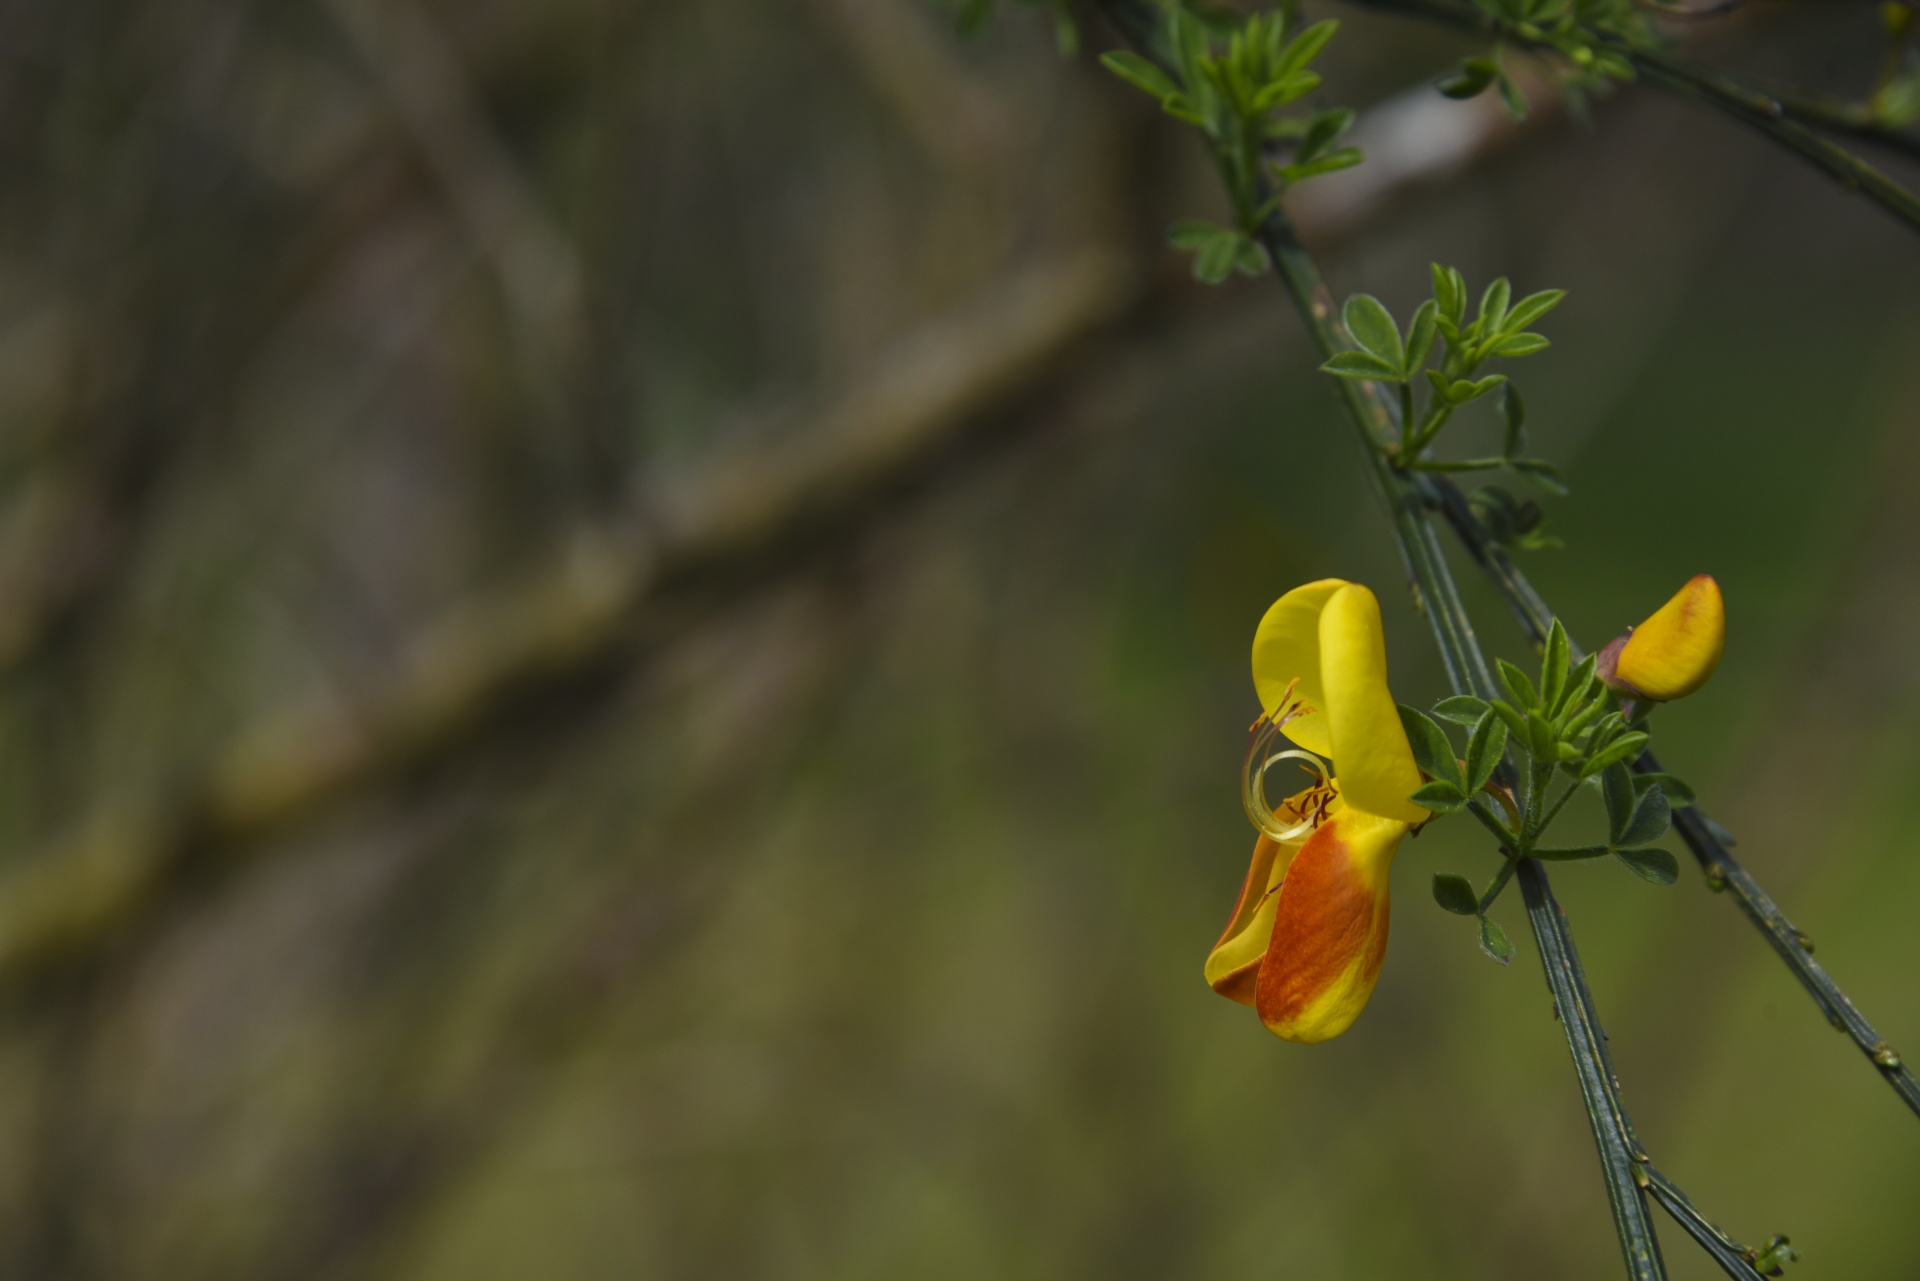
(1311, 808)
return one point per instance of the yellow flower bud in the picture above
(1673, 653)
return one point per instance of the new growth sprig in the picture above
(1573, 736)
(1234, 95)
(1499, 330)
(1586, 35)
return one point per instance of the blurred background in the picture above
(623, 654)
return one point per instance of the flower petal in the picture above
(1371, 757)
(1234, 963)
(1286, 648)
(1675, 652)
(1330, 929)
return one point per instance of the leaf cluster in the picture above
(1501, 328)
(1233, 91)
(1567, 727)
(1589, 36)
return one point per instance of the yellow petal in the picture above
(1286, 648)
(1235, 959)
(1330, 929)
(1371, 758)
(1673, 653)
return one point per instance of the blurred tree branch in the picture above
(966, 382)
(943, 395)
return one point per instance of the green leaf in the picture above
(1517, 685)
(1250, 259)
(1305, 47)
(1188, 40)
(1194, 234)
(1441, 798)
(1182, 109)
(1431, 750)
(1553, 667)
(1372, 327)
(1679, 795)
(1332, 162)
(1591, 702)
(1358, 364)
(1513, 719)
(1541, 739)
(1513, 415)
(1449, 292)
(1214, 263)
(1471, 80)
(1484, 748)
(1541, 473)
(1457, 464)
(1493, 306)
(1511, 98)
(1461, 709)
(1532, 308)
(1326, 127)
(1280, 92)
(1570, 853)
(1520, 345)
(1140, 73)
(1654, 865)
(1455, 894)
(1461, 391)
(1494, 941)
(1651, 818)
(1624, 748)
(1571, 697)
(1616, 791)
(1420, 336)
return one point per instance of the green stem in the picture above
(1620, 1152)
(1852, 120)
(1735, 1259)
(1499, 883)
(1505, 835)
(1539, 774)
(1553, 811)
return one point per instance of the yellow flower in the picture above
(1309, 932)
(1673, 653)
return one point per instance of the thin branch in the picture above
(1734, 1258)
(1850, 120)
(1761, 111)
(1613, 1134)
(1722, 870)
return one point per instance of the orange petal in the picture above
(1330, 929)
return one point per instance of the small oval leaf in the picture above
(1455, 894)
(1655, 865)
